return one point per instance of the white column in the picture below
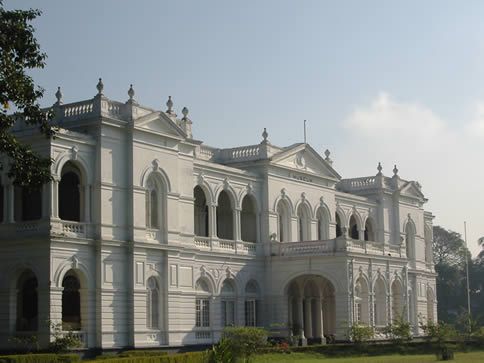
(10, 195)
(319, 320)
(308, 317)
(212, 220)
(237, 236)
(55, 198)
(361, 234)
(301, 316)
(87, 203)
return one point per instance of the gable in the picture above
(411, 190)
(304, 158)
(158, 122)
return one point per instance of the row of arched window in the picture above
(228, 303)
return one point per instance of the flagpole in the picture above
(467, 278)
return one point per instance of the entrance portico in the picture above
(311, 308)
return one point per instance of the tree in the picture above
(449, 258)
(20, 52)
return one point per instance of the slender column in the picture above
(300, 319)
(361, 234)
(319, 320)
(55, 198)
(212, 220)
(10, 195)
(308, 323)
(87, 203)
(237, 228)
(289, 315)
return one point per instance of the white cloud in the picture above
(446, 157)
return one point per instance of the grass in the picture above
(473, 357)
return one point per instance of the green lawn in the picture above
(473, 357)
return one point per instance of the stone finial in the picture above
(131, 92)
(395, 171)
(379, 168)
(185, 113)
(327, 155)
(265, 135)
(169, 104)
(58, 95)
(100, 87)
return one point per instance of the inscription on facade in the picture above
(300, 177)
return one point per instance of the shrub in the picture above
(400, 331)
(360, 333)
(239, 343)
(62, 342)
(192, 357)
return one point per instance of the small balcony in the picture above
(225, 245)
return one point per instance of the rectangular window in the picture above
(202, 313)
(358, 312)
(250, 313)
(228, 313)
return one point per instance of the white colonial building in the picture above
(148, 237)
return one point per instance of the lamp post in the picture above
(467, 279)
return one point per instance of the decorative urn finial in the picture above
(379, 168)
(58, 95)
(169, 104)
(131, 92)
(100, 87)
(265, 135)
(395, 171)
(185, 113)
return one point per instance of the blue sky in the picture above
(396, 82)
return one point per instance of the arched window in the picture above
(354, 234)
(410, 240)
(369, 231)
(304, 223)
(228, 302)
(380, 304)
(397, 300)
(200, 212)
(71, 302)
(202, 304)
(284, 221)
(362, 306)
(153, 304)
(28, 203)
(252, 303)
(27, 302)
(225, 217)
(248, 220)
(339, 230)
(156, 204)
(70, 193)
(323, 224)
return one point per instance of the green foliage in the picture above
(40, 358)
(27, 343)
(399, 331)
(19, 53)
(360, 333)
(192, 357)
(62, 342)
(239, 344)
(142, 353)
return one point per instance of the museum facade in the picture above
(147, 237)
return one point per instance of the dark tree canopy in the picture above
(20, 52)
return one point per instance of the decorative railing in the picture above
(70, 228)
(112, 108)
(203, 335)
(206, 152)
(249, 247)
(368, 182)
(27, 226)
(226, 244)
(81, 336)
(78, 109)
(203, 242)
(305, 248)
(242, 153)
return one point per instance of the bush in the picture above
(40, 358)
(239, 343)
(62, 342)
(142, 353)
(360, 333)
(400, 331)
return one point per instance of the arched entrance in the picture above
(27, 302)
(311, 308)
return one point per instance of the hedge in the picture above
(40, 358)
(161, 357)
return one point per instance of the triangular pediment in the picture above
(159, 122)
(303, 158)
(411, 189)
